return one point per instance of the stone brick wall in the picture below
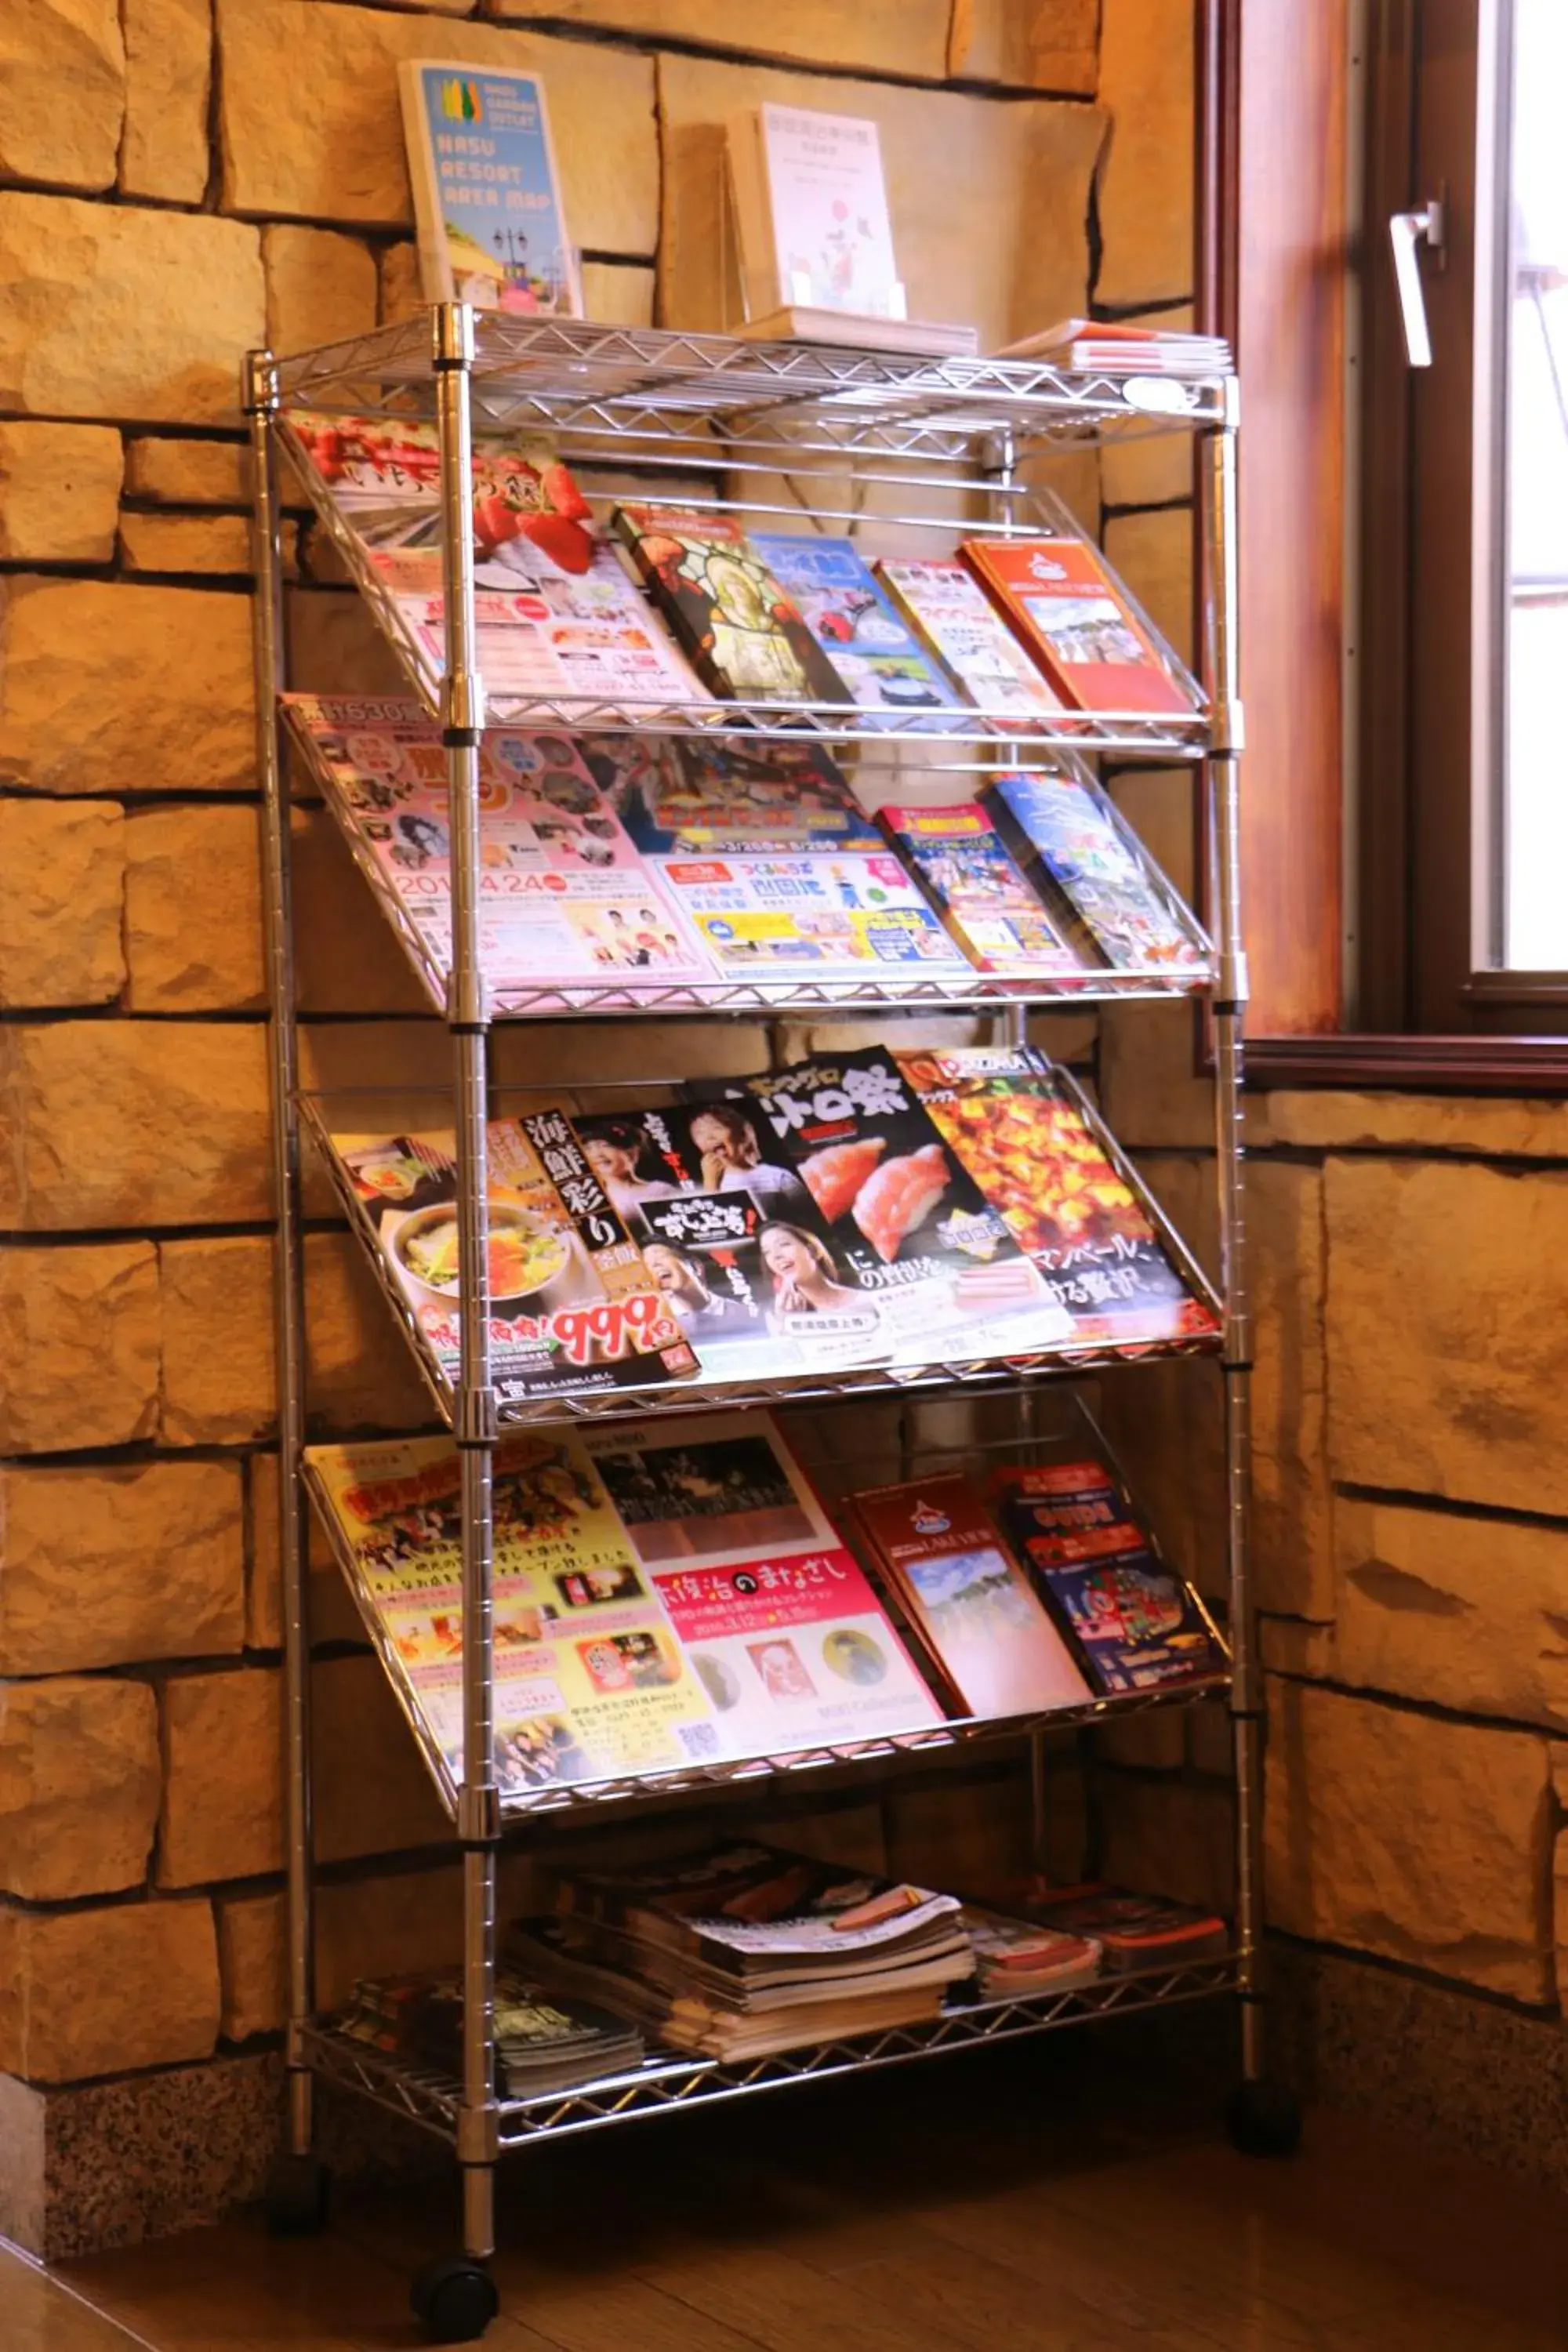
(180, 180)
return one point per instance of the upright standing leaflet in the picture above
(487, 195)
(827, 202)
(980, 894)
(912, 1228)
(1057, 594)
(564, 899)
(1029, 1140)
(847, 611)
(949, 613)
(573, 1306)
(1065, 828)
(786, 1636)
(590, 1680)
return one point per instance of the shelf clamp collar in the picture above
(477, 1420)
(479, 1815)
(261, 395)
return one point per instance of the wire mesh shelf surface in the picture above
(429, 2097)
(626, 382)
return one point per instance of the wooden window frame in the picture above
(1274, 118)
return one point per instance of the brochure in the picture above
(1069, 834)
(847, 611)
(949, 613)
(786, 1636)
(993, 1640)
(831, 919)
(728, 613)
(1075, 620)
(908, 1223)
(1135, 1624)
(590, 1681)
(487, 195)
(813, 212)
(985, 902)
(692, 796)
(564, 899)
(573, 1306)
(1025, 1134)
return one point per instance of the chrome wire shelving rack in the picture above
(941, 450)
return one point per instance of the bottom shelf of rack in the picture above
(429, 2097)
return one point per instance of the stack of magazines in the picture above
(542, 2045)
(749, 1950)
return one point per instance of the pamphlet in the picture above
(1027, 1136)
(1069, 834)
(487, 195)
(573, 1306)
(985, 900)
(989, 1634)
(1135, 1624)
(949, 613)
(833, 920)
(1073, 617)
(728, 613)
(564, 899)
(825, 224)
(847, 611)
(695, 797)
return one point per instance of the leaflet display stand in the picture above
(631, 399)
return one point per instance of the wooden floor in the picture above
(984, 2207)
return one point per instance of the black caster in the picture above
(456, 2300)
(297, 2197)
(1264, 2119)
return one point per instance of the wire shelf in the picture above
(627, 383)
(429, 2097)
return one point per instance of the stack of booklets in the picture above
(1015, 1959)
(542, 2044)
(747, 1951)
(663, 1596)
(1108, 347)
(1133, 1931)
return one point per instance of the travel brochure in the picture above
(487, 195)
(673, 1594)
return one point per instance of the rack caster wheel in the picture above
(1264, 2119)
(297, 2188)
(455, 2301)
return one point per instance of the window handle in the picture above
(1407, 232)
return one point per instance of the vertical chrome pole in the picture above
(479, 1811)
(1247, 1697)
(267, 643)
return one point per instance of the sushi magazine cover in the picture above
(970, 877)
(675, 798)
(573, 1306)
(557, 614)
(590, 1680)
(1118, 906)
(994, 1642)
(1132, 1621)
(564, 899)
(1029, 1138)
(744, 1260)
(1075, 620)
(486, 195)
(904, 1217)
(773, 1615)
(728, 614)
(847, 611)
(949, 613)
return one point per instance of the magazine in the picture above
(564, 899)
(949, 613)
(1075, 620)
(680, 798)
(909, 1225)
(990, 1636)
(847, 611)
(1135, 1624)
(1027, 1136)
(541, 2045)
(775, 1616)
(486, 195)
(744, 1260)
(728, 613)
(573, 1306)
(590, 1681)
(1069, 834)
(970, 877)
(558, 616)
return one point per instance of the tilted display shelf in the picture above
(645, 404)
(427, 2096)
